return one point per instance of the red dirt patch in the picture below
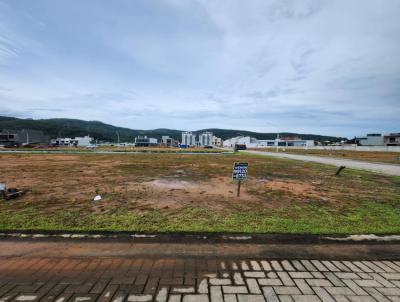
(296, 188)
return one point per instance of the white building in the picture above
(188, 139)
(206, 139)
(84, 141)
(267, 143)
(165, 139)
(144, 141)
(168, 141)
(371, 140)
(252, 142)
(296, 142)
(217, 141)
(392, 139)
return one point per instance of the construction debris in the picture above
(97, 198)
(9, 193)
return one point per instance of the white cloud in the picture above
(327, 67)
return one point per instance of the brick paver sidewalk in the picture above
(190, 280)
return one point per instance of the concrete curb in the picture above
(202, 238)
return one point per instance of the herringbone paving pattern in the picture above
(197, 280)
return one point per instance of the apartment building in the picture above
(188, 139)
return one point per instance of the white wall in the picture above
(351, 148)
(84, 141)
(254, 143)
(372, 141)
(242, 140)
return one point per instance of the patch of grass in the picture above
(366, 218)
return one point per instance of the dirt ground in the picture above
(383, 157)
(143, 182)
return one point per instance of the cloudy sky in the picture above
(308, 66)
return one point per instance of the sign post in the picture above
(239, 173)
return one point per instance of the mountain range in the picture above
(63, 127)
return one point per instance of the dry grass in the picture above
(383, 157)
(153, 149)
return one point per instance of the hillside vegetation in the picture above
(62, 127)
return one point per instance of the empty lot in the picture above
(181, 192)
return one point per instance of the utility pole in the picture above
(277, 142)
(27, 137)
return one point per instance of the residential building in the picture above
(62, 141)
(188, 139)
(290, 138)
(252, 142)
(267, 143)
(217, 141)
(391, 139)
(372, 139)
(84, 141)
(296, 142)
(206, 139)
(23, 137)
(168, 141)
(8, 138)
(144, 141)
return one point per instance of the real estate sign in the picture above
(240, 171)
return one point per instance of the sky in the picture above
(307, 66)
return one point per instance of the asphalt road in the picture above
(387, 169)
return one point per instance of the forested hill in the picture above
(61, 127)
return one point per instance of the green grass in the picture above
(312, 219)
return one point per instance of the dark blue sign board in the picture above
(240, 171)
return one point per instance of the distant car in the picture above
(208, 147)
(240, 147)
(11, 146)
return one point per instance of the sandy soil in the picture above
(296, 188)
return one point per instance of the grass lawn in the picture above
(373, 156)
(178, 192)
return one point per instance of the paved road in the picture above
(350, 163)
(31, 271)
(197, 280)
